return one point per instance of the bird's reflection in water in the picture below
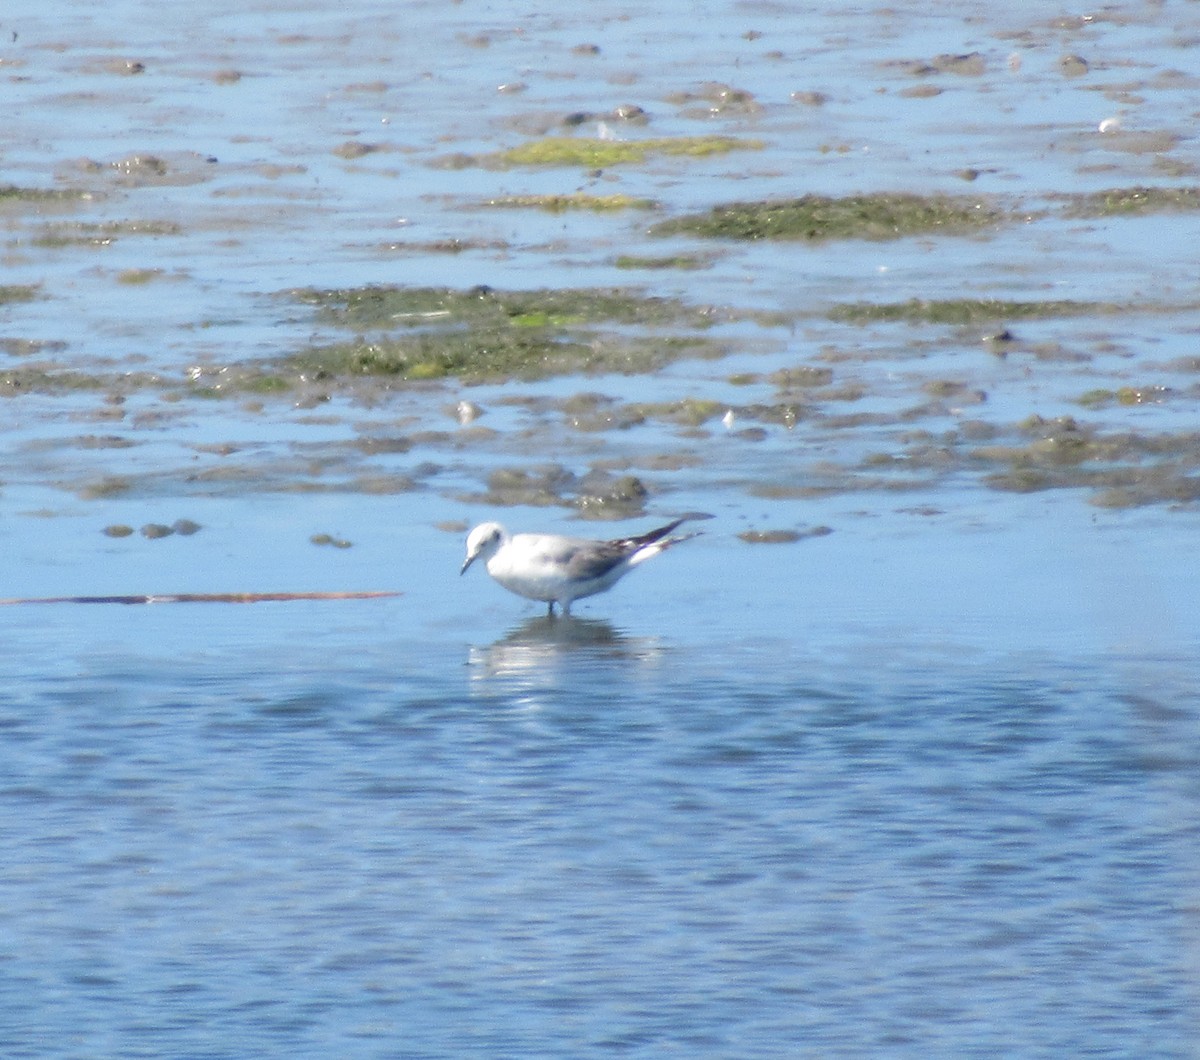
(544, 641)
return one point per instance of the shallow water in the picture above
(922, 785)
(312, 836)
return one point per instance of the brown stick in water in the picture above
(195, 598)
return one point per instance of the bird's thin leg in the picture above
(550, 610)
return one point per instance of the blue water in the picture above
(597, 859)
(346, 830)
(923, 786)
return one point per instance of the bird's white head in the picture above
(483, 543)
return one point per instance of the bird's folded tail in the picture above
(659, 539)
(648, 538)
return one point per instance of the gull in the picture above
(560, 570)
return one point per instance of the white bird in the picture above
(560, 569)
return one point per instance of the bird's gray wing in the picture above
(586, 560)
(594, 559)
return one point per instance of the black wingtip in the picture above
(651, 536)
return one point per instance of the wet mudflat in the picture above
(899, 754)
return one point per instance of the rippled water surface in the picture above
(921, 779)
(581, 839)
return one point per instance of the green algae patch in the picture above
(487, 354)
(820, 218)
(66, 234)
(597, 495)
(1122, 468)
(15, 193)
(686, 262)
(1125, 395)
(18, 293)
(1130, 202)
(1110, 468)
(331, 541)
(389, 307)
(689, 412)
(418, 334)
(137, 277)
(769, 537)
(964, 310)
(577, 201)
(445, 246)
(38, 379)
(600, 154)
(1119, 487)
(802, 377)
(106, 486)
(604, 496)
(783, 537)
(490, 354)
(542, 486)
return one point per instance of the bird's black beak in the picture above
(466, 563)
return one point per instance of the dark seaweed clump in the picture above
(963, 310)
(431, 333)
(1117, 202)
(819, 217)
